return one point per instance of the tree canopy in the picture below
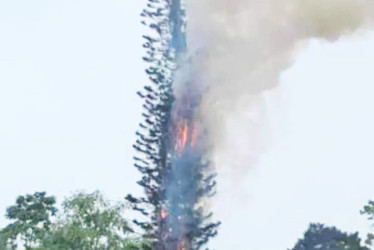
(321, 237)
(31, 220)
(87, 222)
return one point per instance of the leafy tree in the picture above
(31, 216)
(90, 223)
(328, 238)
(87, 222)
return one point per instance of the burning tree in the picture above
(176, 176)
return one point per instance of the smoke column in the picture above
(238, 49)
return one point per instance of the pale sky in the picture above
(69, 71)
(319, 164)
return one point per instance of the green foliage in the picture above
(88, 222)
(369, 211)
(320, 237)
(31, 220)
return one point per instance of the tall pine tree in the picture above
(171, 151)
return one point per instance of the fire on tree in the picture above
(176, 175)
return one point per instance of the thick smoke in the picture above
(240, 49)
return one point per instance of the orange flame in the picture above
(163, 214)
(182, 137)
(186, 135)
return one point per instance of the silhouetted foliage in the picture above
(328, 238)
(369, 212)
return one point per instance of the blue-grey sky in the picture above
(69, 71)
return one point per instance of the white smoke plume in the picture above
(241, 47)
(244, 45)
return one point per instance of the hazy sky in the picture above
(318, 166)
(69, 71)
